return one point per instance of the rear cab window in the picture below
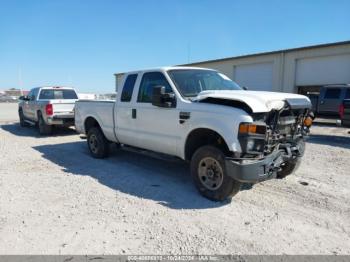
(128, 88)
(47, 94)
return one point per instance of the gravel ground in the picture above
(56, 199)
(8, 111)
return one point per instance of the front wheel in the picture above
(209, 174)
(97, 143)
(22, 121)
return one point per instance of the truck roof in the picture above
(337, 85)
(55, 87)
(164, 68)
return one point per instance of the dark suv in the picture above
(331, 97)
(344, 112)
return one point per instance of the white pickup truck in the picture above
(228, 134)
(46, 107)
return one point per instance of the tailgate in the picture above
(63, 107)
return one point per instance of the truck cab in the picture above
(228, 134)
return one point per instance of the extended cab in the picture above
(228, 134)
(46, 107)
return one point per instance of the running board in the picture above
(150, 153)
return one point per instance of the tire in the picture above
(44, 129)
(97, 143)
(209, 174)
(290, 167)
(22, 121)
(345, 123)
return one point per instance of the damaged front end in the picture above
(274, 140)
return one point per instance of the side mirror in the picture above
(245, 88)
(24, 98)
(162, 99)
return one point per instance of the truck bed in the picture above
(101, 110)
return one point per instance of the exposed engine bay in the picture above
(273, 144)
(287, 126)
(282, 128)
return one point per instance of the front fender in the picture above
(227, 128)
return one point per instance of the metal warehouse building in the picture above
(296, 70)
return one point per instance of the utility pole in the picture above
(188, 51)
(20, 83)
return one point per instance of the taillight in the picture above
(341, 111)
(49, 109)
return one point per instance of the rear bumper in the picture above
(66, 120)
(253, 171)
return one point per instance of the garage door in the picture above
(254, 76)
(323, 70)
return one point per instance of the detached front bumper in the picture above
(253, 171)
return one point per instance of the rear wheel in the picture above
(44, 129)
(97, 143)
(209, 174)
(22, 121)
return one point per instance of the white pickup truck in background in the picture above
(47, 106)
(229, 135)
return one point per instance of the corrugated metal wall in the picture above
(285, 70)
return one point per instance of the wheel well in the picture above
(201, 137)
(89, 123)
(38, 114)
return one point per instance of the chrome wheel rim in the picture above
(210, 173)
(93, 144)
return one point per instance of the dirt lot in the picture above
(56, 199)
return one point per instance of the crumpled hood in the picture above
(258, 101)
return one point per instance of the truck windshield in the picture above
(190, 82)
(58, 94)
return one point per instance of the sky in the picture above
(82, 43)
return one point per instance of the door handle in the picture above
(133, 113)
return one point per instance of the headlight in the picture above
(252, 137)
(250, 144)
